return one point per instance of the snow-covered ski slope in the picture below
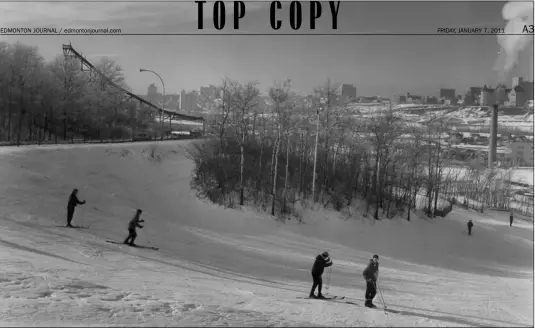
(223, 267)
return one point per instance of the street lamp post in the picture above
(163, 102)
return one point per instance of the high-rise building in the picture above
(172, 101)
(153, 96)
(470, 100)
(517, 81)
(414, 99)
(193, 100)
(209, 92)
(189, 101)
(152, 90)
(522, 92)
(182, 98)
(431, 100)
(208, 96)
(447, 94)
(349, 91)
(491, 96)
(473, 96)
(487, 96)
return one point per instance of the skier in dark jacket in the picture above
(73, 202)
(470, 226)
(371, 273)
(134, 223)
(511, 220)
(322, 261)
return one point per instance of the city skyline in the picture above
(341, 86)
(384, 65)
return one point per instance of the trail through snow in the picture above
(222, 267)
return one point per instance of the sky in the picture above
(386, 65)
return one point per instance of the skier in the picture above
(371, 273)
(132, 228)
(73, 202)
(322, 261)
(470, 225)
(511, 220)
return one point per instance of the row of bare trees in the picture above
(273, 152)
(45, 101)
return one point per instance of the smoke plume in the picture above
(517, 15)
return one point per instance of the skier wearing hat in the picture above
(322, 261)
(371, 273)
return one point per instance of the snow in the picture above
(221, 267)
(519, 175)
(476, 117)
(523, 175)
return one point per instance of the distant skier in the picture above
(73, 202)
(135, 222)
(511, 220)
(470, 225)
(322, 261)
(371, 273)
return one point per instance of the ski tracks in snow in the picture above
(44, 287)
(28, 298)
(91, 283)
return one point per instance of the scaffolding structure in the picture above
(86, 66)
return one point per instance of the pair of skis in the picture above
(136, 246)
(73, 227)
(110, 241)
(330, 298)
(339, 298)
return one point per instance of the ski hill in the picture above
(225, 267)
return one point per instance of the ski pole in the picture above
(328, 279)
(82, 223)
(381, 294)
(145, 235)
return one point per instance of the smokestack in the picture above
(493, 135)
(513, 41)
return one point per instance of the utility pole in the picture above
(315, 151)
(322, 101)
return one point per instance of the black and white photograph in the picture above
(266, 163)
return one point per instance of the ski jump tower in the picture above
(86, 66)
